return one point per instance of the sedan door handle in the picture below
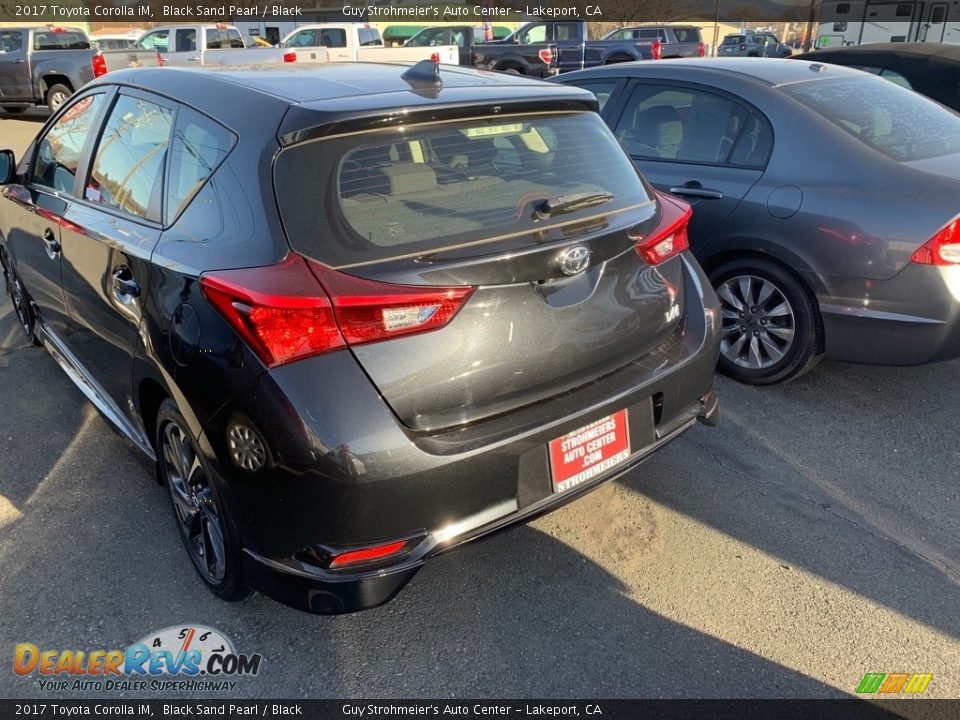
(53, 245)
(703, 193)
(124, 284)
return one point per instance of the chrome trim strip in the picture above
(91, 389)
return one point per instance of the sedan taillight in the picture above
(942, 249)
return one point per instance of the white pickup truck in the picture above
(337, 42)
(190, 45)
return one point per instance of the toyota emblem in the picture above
(575, 260)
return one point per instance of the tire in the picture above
(618, 59)
(771, 327)
(511, 71)
(202, 521)
(14, 109)
(22, 305)
(57, 95)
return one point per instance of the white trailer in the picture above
(856, 22)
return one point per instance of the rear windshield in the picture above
(899, 123)
(60, 40)
(369, 197)
(733, 40)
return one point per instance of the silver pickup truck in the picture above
(44, 65)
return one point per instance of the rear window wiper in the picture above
(569, 203)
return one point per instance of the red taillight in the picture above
(546, 54)
(289, 57)
(942, 249)
(368, 311)
(377, 552)
(702, 50)
(298, 308)
(99, 65)
(670, 236)
(656, 49)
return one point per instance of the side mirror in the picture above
(8, 167)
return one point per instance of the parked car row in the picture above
(400, 308)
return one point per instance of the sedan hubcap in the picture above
(200, 523)
(758, 322)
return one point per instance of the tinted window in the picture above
(368, 37)
(601, 88)
(154, 41)
(899, 123)
(60, 40)
(234, 39)
(733, 40)
(904, 10)
(754, 143)
(59, 151)
(186, 40)
(127, 173)
(199, 146)
(843, 8)
(369, 197)
(11, 40)
(687, 35)
(680, 124)
(333, 38)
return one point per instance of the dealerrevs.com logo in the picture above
(179, 658)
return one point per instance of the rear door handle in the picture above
(702, 193)
(124, 285)
(52, 244)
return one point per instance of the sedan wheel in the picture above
(771, 327)
(758, 322)
(201, 520)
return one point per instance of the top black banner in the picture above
(139, 12)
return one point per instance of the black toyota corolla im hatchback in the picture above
(359, 314)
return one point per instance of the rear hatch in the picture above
(525, 230)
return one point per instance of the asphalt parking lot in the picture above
(812, 538)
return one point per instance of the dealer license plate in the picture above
(583, 454)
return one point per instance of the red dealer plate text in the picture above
(590, 451)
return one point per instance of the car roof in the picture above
(937, 50)
(379, 84)
(768, 71)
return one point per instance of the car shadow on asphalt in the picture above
(848, 473)
(521, 614)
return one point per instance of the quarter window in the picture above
(127, 173)
(601, 88)
(59, 151)
(199, 146)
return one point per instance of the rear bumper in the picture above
(325, 592)
(344, 473)
(911, 319)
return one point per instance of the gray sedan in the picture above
(825, 200)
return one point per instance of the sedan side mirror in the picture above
(8, 167)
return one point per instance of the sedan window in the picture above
(602, 89)
(899, 123)
(128, 170)
(59, 151)
(683, 124)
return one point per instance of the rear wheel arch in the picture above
(792, 263)
(48, 81)
(618, 58)
(150, 395)
(510, 66)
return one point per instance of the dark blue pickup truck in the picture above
(546, 48)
